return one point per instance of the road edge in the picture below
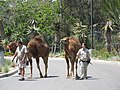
(10, 73)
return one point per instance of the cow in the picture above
(36, 48)
(71, 47)
(12, 46)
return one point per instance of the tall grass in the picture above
(5, 69)
(102, 54)
(6, 66)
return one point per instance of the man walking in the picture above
(84, 56)
(21, 56)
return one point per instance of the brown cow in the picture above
(71, 47)
(12, 46)
(36, 48)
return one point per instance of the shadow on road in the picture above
(36, 78)
(89, 78)
(52, 76)
(46, 77)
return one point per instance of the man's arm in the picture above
(24, 58)
(25, 54)
(14, 56)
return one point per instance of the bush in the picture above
(5, 69)
(7, 62)
(102, 54)
(8, 54)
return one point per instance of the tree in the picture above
(108, 34)
(111, 9)
(18, 15)
(1, 29)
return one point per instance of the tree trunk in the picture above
(57, 36)
(57, 40)
(108, 39)
(1, 30)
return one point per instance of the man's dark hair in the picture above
(20, 42)
(85, 44)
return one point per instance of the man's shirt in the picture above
(21, 51)
(83, 54)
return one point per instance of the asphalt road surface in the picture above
(102, 76)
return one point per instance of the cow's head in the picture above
(65, 40)
(12, 46)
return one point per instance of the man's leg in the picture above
(22, 74)
(85, 70)
(82, 71)
(23, 66)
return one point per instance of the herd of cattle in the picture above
(37, 47)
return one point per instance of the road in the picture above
(102, 76)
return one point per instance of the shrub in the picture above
(5, 69)
(7, 62)
(102, 54)
(6, 66)
(8, 54)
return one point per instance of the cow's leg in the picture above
(37, 61)
(72, 68)
(68, 66)
(77, 77)
(45, 59)
(30, 60)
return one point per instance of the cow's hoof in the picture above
(77, 77)
(68, 77)
(41, 76)
(45, 76)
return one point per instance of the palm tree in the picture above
(111, 9)
(108, 34)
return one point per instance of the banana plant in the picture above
(108, 34)
(111, 9)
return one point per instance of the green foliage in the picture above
(102, 54)
(111, 9)
(8, 54)
(7, 62)
(5, 69)
(18, 16)
(6, 66)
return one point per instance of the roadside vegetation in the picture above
(8, 65)
(102, 54)
(8, 54)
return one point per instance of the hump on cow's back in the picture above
(39, 38)
(76, 39)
